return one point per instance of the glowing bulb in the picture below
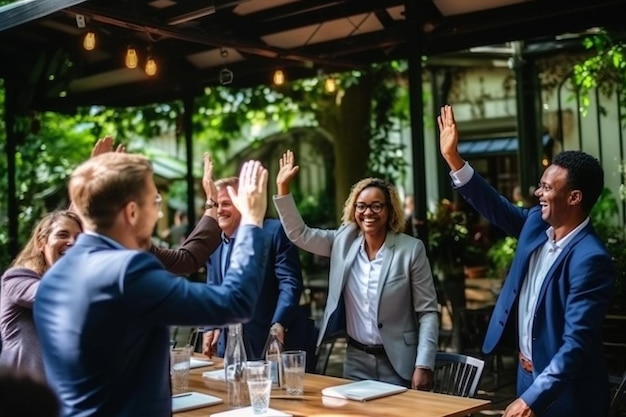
(151, 67)
(279, 77)
(131, 58)
(330, 85)
(89, 43)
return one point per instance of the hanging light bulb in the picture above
(131, 58)
(279, 77)
(330, 85)
(151, 66)
(89, 42)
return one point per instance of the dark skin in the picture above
(374, 239)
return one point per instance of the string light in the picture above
(89, 42)
(131, 58)
(151, 66)
(330, 85)
(279, 77)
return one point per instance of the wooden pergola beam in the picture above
(25, 11)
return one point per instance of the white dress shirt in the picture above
(361, 297)
(541, 261)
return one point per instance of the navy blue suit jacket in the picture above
(279, 298)
(102, 313)
(570, 375)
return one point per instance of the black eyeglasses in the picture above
(375, 207)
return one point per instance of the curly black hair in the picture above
(584, 173)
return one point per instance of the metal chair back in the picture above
(457, 374)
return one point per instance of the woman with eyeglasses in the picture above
(380, 292)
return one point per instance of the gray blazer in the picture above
(405, 280)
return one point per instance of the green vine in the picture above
(605, 70)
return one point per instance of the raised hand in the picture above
(251, 197)
(286, 173)
(104, 145)
(449, 138)
(207, 178)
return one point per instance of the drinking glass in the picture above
(259, 379)
(293, 362)
(179, 368)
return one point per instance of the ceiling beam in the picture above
(281, 22)
(25, 11)
(104, 16)
(519, 22)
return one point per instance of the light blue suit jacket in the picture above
(406, 289)
(102, 314)
(570, 375)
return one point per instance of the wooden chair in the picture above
(457, 374)
(617, 401)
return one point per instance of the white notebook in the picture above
(363, 390)
(215, 374)
(199, 363)
(247, 412)
(192, 400)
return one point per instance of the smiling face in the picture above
(63, 234)
(555, 197)
(228, 217)
(374, 224)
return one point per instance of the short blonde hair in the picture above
(31, 256)
(395, 219)
(102, 186)
(223, 183)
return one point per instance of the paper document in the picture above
(199, 363)
(192, 400)
(215, 374)
(363, 390)
(247, 412)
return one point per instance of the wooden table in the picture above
(312, 403)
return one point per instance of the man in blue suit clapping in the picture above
(559, 286)
(103, 310)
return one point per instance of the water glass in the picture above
(293, 362)
(259, 380)
(179, 368)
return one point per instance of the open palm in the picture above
(288, 169)
(448, 133)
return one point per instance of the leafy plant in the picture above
(501, 256)
(448, 237)
(605, 70)
(604, 215)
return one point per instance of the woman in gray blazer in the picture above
(381, 291)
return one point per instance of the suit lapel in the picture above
(523, 260)
(550, 276)
(389, 248)
(347, 265)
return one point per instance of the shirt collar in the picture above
(228, 239)
(567, 238)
